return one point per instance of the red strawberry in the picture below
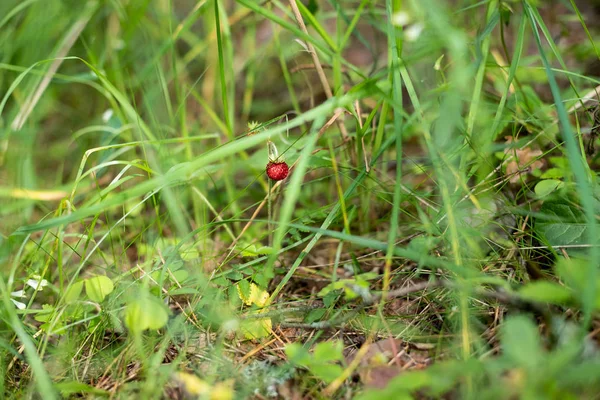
(277, 170)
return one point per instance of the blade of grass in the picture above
(394, 53)
(223, 81)
(580, 171)
(585, 28)
(316, 25)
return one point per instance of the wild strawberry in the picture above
(277, 170)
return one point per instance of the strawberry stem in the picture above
(269, 213)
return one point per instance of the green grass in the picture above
(437, 236)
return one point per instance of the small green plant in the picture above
(325, 362)
(439, 193)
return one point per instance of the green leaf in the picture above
(553, 173)
(315, 315)
(326, 352)
(72, 387)
(437, 379)
(573, 272)
(521, 342)
(297, 354)
(561, 224)
(234, 275)
(331, 298)
(331, 287)
(424, 244)
(546, 292)
(350, 287)
(145, 312)
(413, 381)
(98, 287)
(254, 250)
(190, 254)
(326, 372)
(46, 314)
(243, 288)
(547, 186)
(175, 291)
(323, 362)
(262, 278)
(74, 292)
(180, 275)
(384, 394)
(256, 328)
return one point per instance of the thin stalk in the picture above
(270, 213)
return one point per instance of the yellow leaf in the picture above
(222, 391)
(196, 387)
(255, 328)
(253, 295)
(192, 384)
(258, 296)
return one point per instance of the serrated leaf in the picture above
(262, 278)
(258, 296)
(221, 281)
(545, 292)
(252, 294)
(243, 289)
(264, 250)
(256, 328)
(234, 297)
(98, 287)
(234, 275)
(249, 251)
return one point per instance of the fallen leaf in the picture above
(522, 162)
